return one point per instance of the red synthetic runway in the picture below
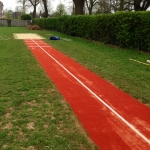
(113, 119)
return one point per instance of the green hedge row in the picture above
(126, 29)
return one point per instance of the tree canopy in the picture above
(80, 7)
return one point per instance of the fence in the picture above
(18, 23)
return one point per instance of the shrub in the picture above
(26, 17)
(126, 29)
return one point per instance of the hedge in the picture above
(125, 29)
(26, 17)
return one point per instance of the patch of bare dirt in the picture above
(8, 115)
(30, 148)
(4, 146)
(46, 126)
(8, 126)
(30, 125)
(33, 103)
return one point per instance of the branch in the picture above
(145, 5)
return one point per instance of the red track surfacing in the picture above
(113, 119)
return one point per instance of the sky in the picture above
(11, 4)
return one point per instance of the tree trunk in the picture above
(90, 4)
(34, 12)
(79, 5)
(137, 5)
(145, 5)
(34, 4)
(141, 5)
(90, 11)
(121, 5)
(45, 8)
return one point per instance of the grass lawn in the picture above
(33, 114)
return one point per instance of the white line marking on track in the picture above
(38, 46)
(105, 104)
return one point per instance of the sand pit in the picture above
(27, 36)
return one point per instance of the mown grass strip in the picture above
(33, 114)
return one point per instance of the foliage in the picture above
(26, 17)
(125, 29)
(8, 14)
(60, 10)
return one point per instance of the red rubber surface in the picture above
(104, 127)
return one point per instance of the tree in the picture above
(8, 14)
(90, 4)
(34, 3)
(60, 10)
(116, 5)
(141, 5)
(45, 8)
(79, 5)
(102, 6)
(70, 7)
(129, 5)
(24, 5)
(26, 17)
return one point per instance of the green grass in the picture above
(33, 114)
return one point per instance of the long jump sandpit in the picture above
(27, 36)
